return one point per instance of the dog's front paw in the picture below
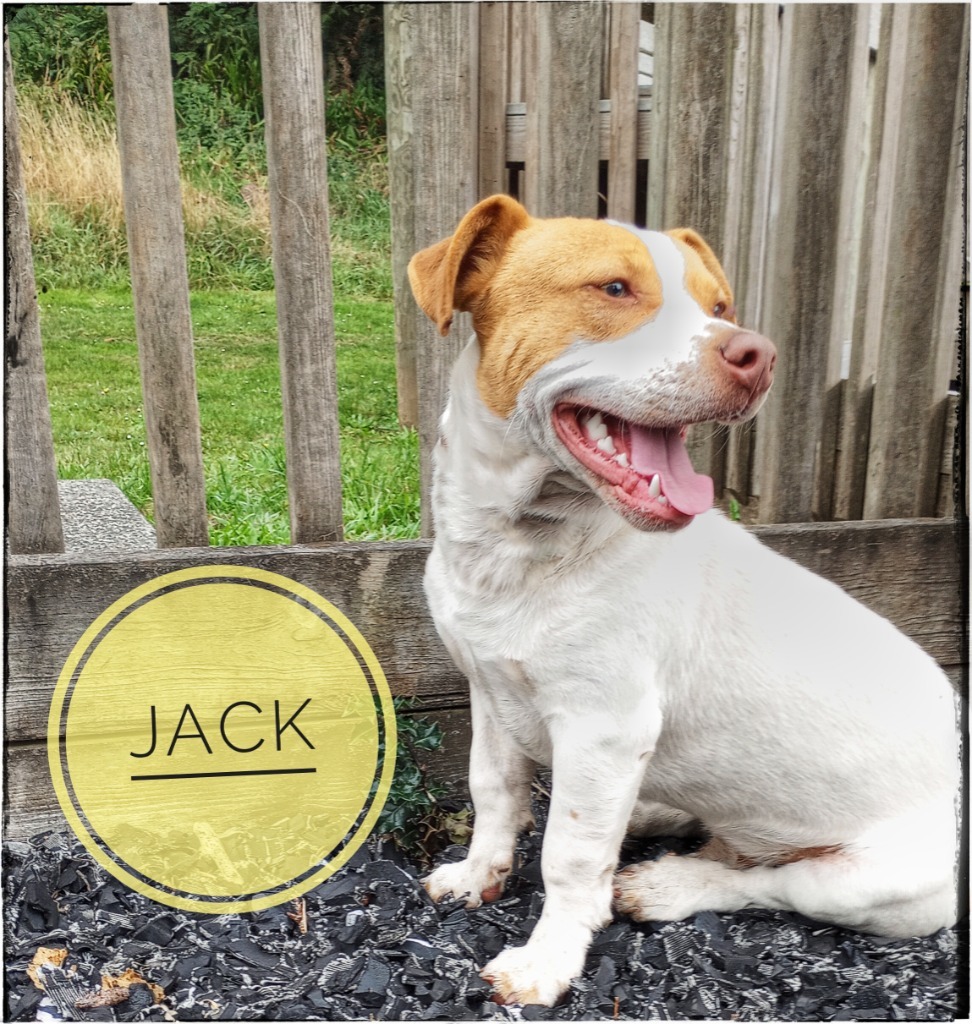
(466, 881)
(669, 889)
(525, 975)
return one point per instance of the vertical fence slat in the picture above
(493, 56)
(445, 48)
(33, 509)
(398, 107)
(693, 70)
(752, 115)
(847, 261)
(919, 315)
(889, 79)
(515, 92)
(157, 254)
(802, 253)
(563, 94)
(293, 96)
(623, 93)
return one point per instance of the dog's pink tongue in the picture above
(664, 452)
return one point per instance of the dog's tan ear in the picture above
(696, 242)
(449, 274)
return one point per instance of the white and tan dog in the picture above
(673, 671)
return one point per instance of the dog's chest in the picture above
(539, 647)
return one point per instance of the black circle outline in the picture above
(352, 832)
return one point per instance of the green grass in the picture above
(96, 408)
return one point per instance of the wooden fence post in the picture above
(157, 254)
(921, 300)
(444, 175)
(623, 92)
(563, 95)
(889, 80)
(292, 60)
(398, 92)
(752, 116)
(690, 139)
(33, 509)
(494, 49)
(813, 125)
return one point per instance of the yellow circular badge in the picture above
(222, 739)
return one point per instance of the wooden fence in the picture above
(818, 147)
(456, 133)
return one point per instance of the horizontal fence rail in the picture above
(906, 570)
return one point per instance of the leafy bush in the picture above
(416, 814)
(63, 46)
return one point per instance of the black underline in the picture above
(223, 775)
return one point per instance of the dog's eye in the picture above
(615, 289)
(723, 311)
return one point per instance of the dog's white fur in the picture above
(670, 677)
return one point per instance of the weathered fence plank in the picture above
(157, 254)
(623, 92)
(752, 117)
(847, 259)
(690, 136)
(919, 315)
(445, 174)
(562, 95)
(494, 48)
(908, 571)
(400, 127)
(889, 78)
(33, 510)
(803, 250)
(690, 150)
(292, 60)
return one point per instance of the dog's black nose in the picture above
(749, 359)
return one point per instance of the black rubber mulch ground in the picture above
(376, 948)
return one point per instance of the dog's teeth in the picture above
(596, 428)
(662, 500)
(621, 459)
(606, 444)
(654, 488)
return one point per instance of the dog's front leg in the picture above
(499, 783)
(595, 784)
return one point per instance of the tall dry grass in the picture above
(72, 172)
(77, 221)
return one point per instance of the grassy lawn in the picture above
(72, 169)
(96, 407)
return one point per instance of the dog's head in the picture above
(604, 342)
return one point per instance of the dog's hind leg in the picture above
(655, 819)
(896, 880)
(499, 783)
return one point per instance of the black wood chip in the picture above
(375, 947)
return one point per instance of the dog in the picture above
(676, 675)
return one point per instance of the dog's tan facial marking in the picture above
(560, 281)
(705, 279)
(533, 287)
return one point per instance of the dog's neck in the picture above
(494, 491)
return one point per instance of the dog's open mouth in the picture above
(647, 470)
